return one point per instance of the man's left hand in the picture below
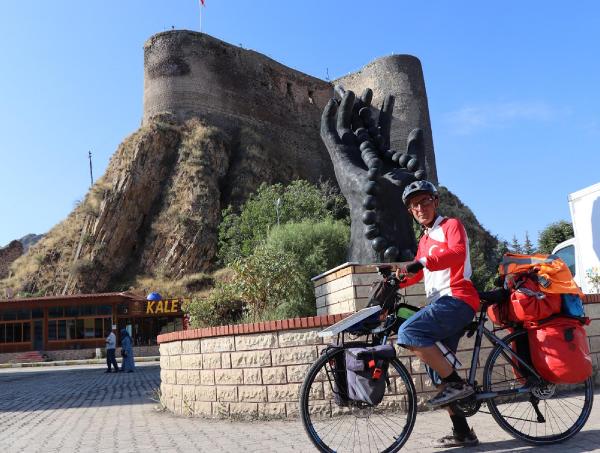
(411, 268)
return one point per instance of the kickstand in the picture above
(535, 403)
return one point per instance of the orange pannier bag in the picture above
(559, 350)
(553, 274)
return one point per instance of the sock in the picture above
(454, 377)
(461, 427)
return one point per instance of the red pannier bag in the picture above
(528, 303)
(501, 314)
(559, 350)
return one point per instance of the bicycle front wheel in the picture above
(547, 413)
(334, 427)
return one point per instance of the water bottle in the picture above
(449, 355)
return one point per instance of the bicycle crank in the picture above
(466, 407)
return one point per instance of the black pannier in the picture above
(383, 293)
(367, 372)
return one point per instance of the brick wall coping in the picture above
(273, 326)
(253, 327)
(335, 269)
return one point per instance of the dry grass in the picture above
(194, 285)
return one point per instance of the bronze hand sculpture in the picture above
(371, 176)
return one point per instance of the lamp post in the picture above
(277, 204)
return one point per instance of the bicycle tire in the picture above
(318, 415)
(558, 403)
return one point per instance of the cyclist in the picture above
(443, 261)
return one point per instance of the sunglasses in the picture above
(422, 203)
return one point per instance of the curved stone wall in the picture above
(256, 370)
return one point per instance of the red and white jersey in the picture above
(444, 251)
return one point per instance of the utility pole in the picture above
(91, 174)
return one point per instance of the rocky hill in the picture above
(218, 121)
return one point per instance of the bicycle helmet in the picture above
(417, 187)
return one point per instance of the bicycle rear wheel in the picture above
(562, 410)
(356, 427)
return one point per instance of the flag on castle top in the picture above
(202, 2)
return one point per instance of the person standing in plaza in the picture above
(111, 345)
(127, 352)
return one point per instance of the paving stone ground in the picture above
(81, 409)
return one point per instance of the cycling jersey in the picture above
(444, 251)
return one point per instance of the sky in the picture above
(513, 90)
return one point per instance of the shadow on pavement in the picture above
(76, 387)
(586, 440)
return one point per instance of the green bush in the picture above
(241, 232)
(269, 281)
(222, 306)
(317, 246)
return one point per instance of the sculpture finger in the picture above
(328, 123)
(366, 97)
(344, 119)
(415, 147)
(385, 120)
(339, 90)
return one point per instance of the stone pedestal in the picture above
(346, 289)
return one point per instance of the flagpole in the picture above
(201, 3)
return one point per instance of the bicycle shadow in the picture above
(588, 440)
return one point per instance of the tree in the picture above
(528, 248)
(241, 232)
(554, 234)
(515, 247)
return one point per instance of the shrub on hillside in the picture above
(273, 282)
(222, 306)
(267, 281)
(317, 246)
(241, 232)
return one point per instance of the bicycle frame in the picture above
(507, 352)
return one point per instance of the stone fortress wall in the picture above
(190, 74)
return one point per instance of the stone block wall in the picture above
(256, 370)
(346, 289)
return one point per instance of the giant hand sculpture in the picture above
(371, 176)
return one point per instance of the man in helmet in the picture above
(443, 261)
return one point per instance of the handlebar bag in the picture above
(383, 293)
(366, 370)
(560, 350)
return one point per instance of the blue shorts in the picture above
(443, 320)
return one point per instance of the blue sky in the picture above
(513, 87)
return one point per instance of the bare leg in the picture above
(433, 357)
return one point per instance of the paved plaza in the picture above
(82, 409)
